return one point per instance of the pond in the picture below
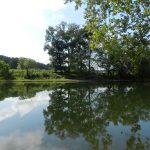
(85, 116)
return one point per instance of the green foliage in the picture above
(4, 70)
(34, 74)
(105, 19)
(12, 62)
(67, 45)
(26, 63)
(122, 30)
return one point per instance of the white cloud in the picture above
(27, 12)
(54, 5)
(23, 24)
(34, 141)
(23, 107)
(18, 141)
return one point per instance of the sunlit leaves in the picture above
(128, 22)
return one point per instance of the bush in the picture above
(34, 74)
(4, 71)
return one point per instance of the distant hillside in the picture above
(13, 62)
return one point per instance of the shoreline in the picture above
(76, 80)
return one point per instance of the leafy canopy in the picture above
(67, 46)
(4, 70)
(121, 29)
(112, 18)
(26, 63)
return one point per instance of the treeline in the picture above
(69, 50)
(23, 68)
(11, 61)
(14, 61)
(115, 38)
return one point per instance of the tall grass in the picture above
(34, 74)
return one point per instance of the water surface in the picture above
(75, 116)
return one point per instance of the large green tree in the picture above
(26, 63)
(4, 70)
(67, 45)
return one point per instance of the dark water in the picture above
(75, 116)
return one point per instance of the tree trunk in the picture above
(27, 73)
(90, 60)
(68, 61)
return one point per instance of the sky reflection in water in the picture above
(74, 117)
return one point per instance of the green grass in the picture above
(34, 74)
(37, 75)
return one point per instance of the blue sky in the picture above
(23, 24)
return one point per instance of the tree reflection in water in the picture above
(23, 90)
(89, 111)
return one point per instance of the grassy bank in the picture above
(34, 74)
(42, 80)
(37, 75)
